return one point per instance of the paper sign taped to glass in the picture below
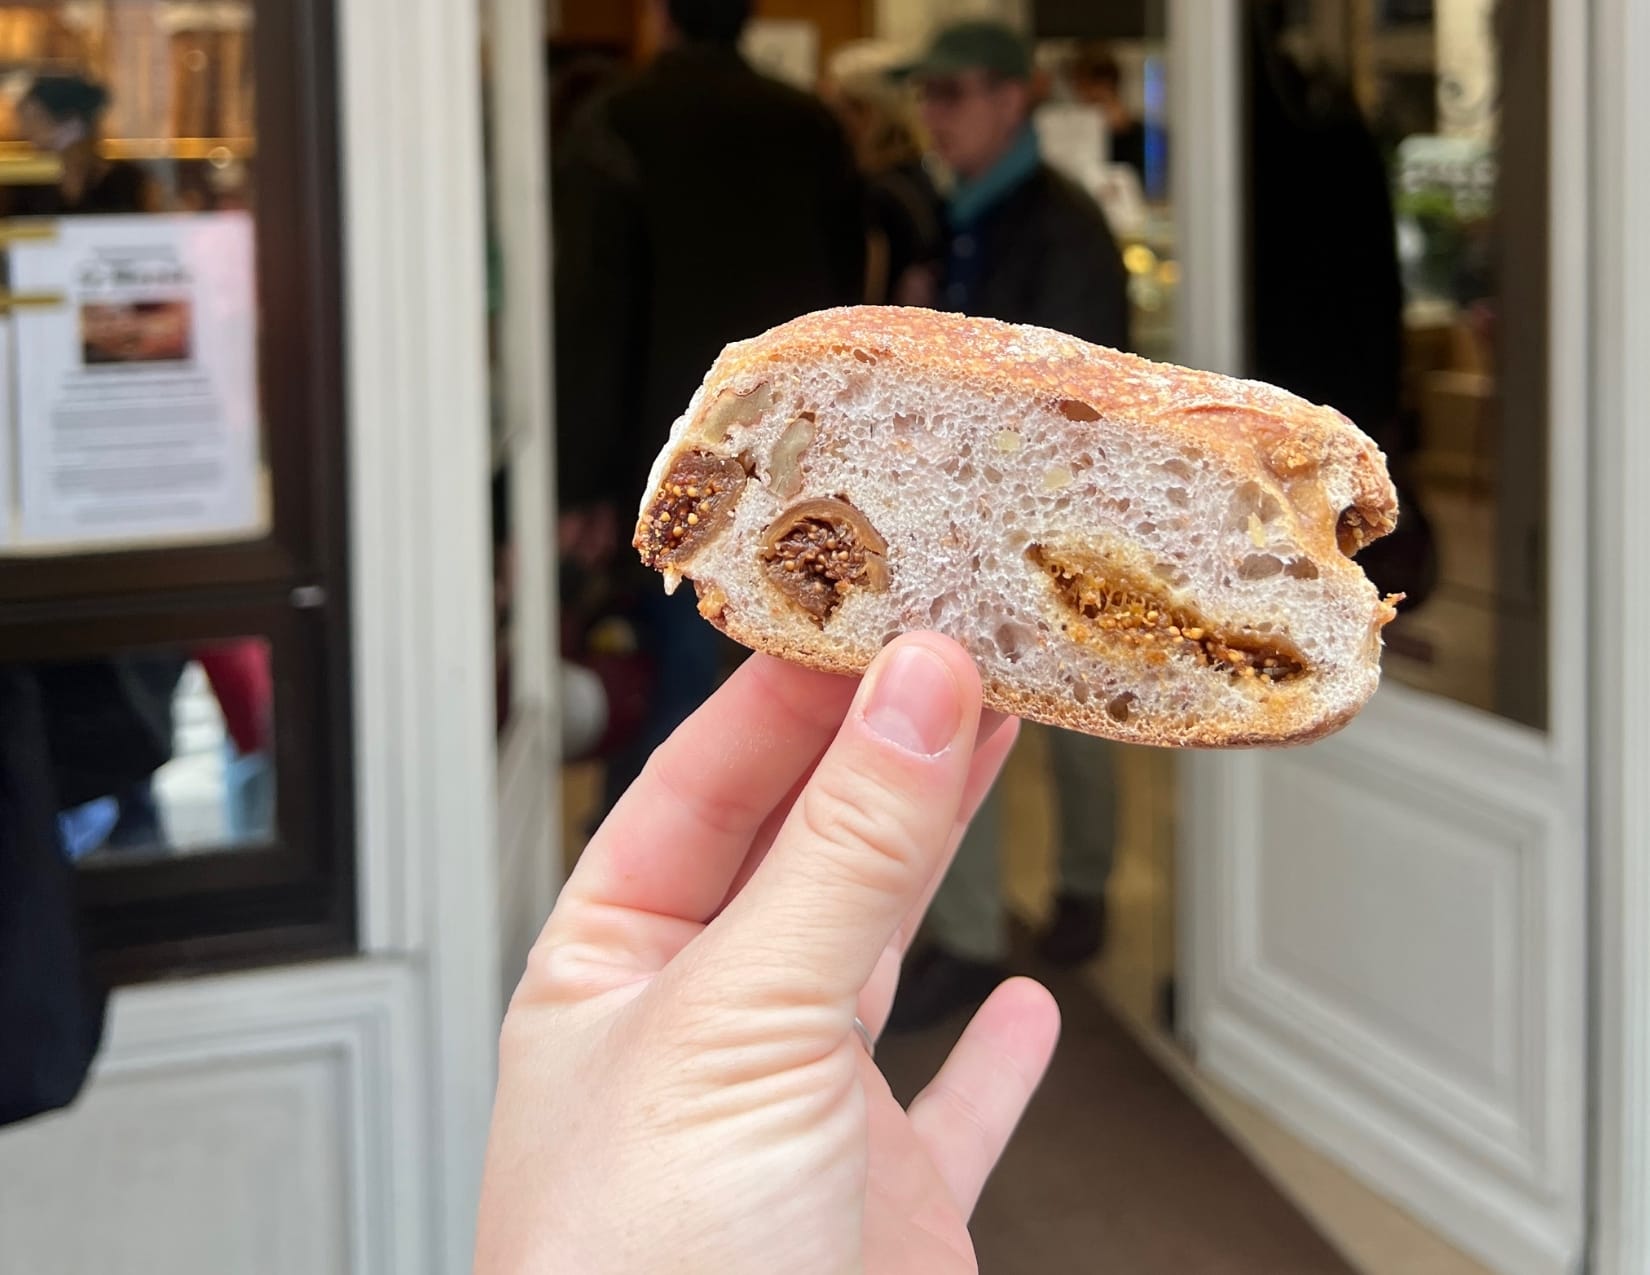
(136, 404)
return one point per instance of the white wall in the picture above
(330, 1118)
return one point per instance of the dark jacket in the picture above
(1327, 295)
(121, 188)
(700, 203)
(1044, 255)
(51, 1009)
(108, 722)
(904, 209)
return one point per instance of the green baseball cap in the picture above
(976, 46)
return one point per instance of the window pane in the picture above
(161, 751)
(1391, 231)
(128, 358)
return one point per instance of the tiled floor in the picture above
(1376, 1237)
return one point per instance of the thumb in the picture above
(869, 830)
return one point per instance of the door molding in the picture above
(1206, 163)
(1205, 84)
(420, 461)
(327, 1056)
(1620, 267)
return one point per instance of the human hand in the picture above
(681, 1086)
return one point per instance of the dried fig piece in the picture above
(1113, 604)
(691, 507)
(817, 551)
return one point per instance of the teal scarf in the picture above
(970, 200)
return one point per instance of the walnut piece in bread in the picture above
(1148, 553)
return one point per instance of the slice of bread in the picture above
(1152, 554)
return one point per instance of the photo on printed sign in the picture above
(136, 332)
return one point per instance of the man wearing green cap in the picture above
(1026, 246)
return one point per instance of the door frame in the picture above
(1599, 281)
(529, 805)
(1619, 264)
(420, 461)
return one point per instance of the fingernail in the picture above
(914, 702)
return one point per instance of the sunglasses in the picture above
(948, 90)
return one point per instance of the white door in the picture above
(1384, 939)
(330, 1118)
(518, 183)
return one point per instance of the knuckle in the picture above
(558, 973)
(853, 816)
(962, 1113)
(673, 773)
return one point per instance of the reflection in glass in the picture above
(1392, 233)
(177, 86)
(162, 752)
(129, 352)
(1120, 87)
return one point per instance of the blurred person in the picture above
(1323, 240)
(685, 1077)
(111, 726)
(574, 83)
(51, 1005)
(904, 226)
(1025, 246)
(696, 204)
(62, 115)
(1097, 80)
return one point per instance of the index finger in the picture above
(678, 836)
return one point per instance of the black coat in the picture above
(51, 1010)
(1327, 292)
(700, 203)
(1042, 255)
(1327, 316)
(903, 207)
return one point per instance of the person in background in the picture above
(1097, 80)
(696, 204)
(62, 115)
(575, 83)
(1321, 233)
(904, 226)
(51, 1001)
(1025, 246)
